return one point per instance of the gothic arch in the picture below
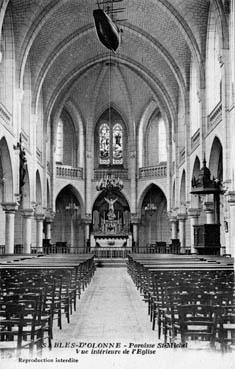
(38, 189)
(183, 189)
(216, 159)
(6, 166)
(145, 191)
(75, 192)
(154, 225)
(153, 106)
(196, 167)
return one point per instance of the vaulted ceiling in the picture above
(67, 61)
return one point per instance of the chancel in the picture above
(117, 167)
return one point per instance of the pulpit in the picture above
(207, 239)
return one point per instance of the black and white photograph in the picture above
(117, 184)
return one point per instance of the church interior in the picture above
(117, 173)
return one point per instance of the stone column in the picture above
(39, 231)
(27, 230)
(193, 214)
(10, 210)
(48, 221)
(132, 162)
(209, 210)
(135, 222)
(231, 226)
(87, 223)
(182, 234)
(174, 230)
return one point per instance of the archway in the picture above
(38, 190)
(216, 159)
(154, 226)
(110, 220)
(6, 170)
(67, 229)
(6, 185)
(195, 173)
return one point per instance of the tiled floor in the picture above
(111, 308)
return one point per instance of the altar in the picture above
(110, 224)
(109, 241)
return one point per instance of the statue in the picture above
(111, 202)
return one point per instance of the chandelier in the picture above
(109, 183)
(150, 207)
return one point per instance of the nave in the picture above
(67, 300)
(110, 310)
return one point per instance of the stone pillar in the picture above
(210, 215)
(132, 163)
(27, 230)
(48, 221)
(87, 223)
(182, 231)
(193, 214)
(174, 230)
(39, 231)
(10, 210)
(231, 226)
(135, 222)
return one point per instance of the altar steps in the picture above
(111, 263)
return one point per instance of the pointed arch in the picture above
(154, 225)
(38, 189)
(150, 186)
(196, 167)
(216, 159)
(75, 192)
(7, 173)
(153, 107)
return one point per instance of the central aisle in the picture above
(110, 309)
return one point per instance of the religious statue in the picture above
(111, 214)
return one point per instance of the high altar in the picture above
(111, 227)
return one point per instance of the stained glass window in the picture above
(117, 144)
(104, 141)
(111, 143)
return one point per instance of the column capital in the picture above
(49, 216)
(27, 213)
(172, 218)
(230, 197)
(193, 212)
(87, 219)
(134, 218)
(10, 207)
(208, 206)
(39, 217)
(182, 216)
